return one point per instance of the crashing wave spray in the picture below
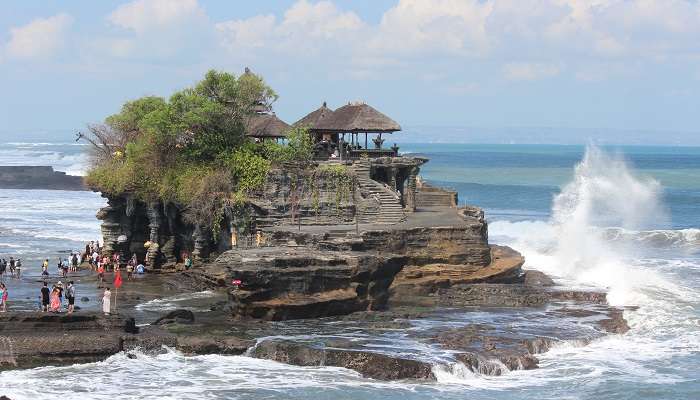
(604, 192)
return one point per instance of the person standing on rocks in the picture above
(70, 295)
(3, 297)
(64, 268)
(101, 271)
(12, 266)
(18, 267)
(45, 270)
(106, 301)
(2, 269)
(129, 270)
(45, 293)
(55, 303)
(74, 262)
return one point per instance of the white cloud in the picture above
(305, 28)
(145, 15)
(40, 39)
(158, 30)
(522, 71)
(415, 32)
(416, 26)
(251, 32)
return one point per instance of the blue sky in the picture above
(573, 65)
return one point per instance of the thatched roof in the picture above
(358, 117)
(312, 119)
(266, 125)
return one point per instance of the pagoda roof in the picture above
(356, 117)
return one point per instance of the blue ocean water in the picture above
(626, 219)
(519, 181)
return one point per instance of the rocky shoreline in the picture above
(29, 340)
(410, 300)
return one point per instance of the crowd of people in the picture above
(60, 297)
(52, 300)
(13, 266)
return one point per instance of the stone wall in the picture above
(291, 193)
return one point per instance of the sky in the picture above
(462, 70)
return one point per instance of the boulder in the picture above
(537, 278)
(369, 364)
(213, 345)
(181, 316)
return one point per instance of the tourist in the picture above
(45, 270)
(64, 268)
(2, 270)
(54, 301)
(3, 297)
(188, 262)
(106, 301)
(74, 262)
(70, 295)
(101, 271)
(129, 270)
(95, 259)
(140, 269)
(45, 293)
(59, 286)
(12, 266)
(116, 260)
(18, 267)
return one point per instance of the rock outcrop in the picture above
(309, 276)
(38, 177)
(35, 339)
(369, 364)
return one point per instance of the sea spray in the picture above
(604, 192)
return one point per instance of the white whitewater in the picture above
(593, 239)
(607, 230)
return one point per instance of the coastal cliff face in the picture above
(307, 275)
(288, 197)
(326, 195)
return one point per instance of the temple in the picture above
(352, 135)
(354, 180)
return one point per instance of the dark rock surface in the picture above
(177, 316)
(34, 339)
(369, 364)
(38, 177)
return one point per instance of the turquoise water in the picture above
(519, 181)
(587, 219)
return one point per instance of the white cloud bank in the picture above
(39, 39)
(148, 15)
(519, 39)
(531, 38)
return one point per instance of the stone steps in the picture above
(390, 209)
(430, 196)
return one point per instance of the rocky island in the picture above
(38, 177)
(317, 245)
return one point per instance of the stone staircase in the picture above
(430, 196)
(389, 210)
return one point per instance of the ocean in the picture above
(624, 218)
